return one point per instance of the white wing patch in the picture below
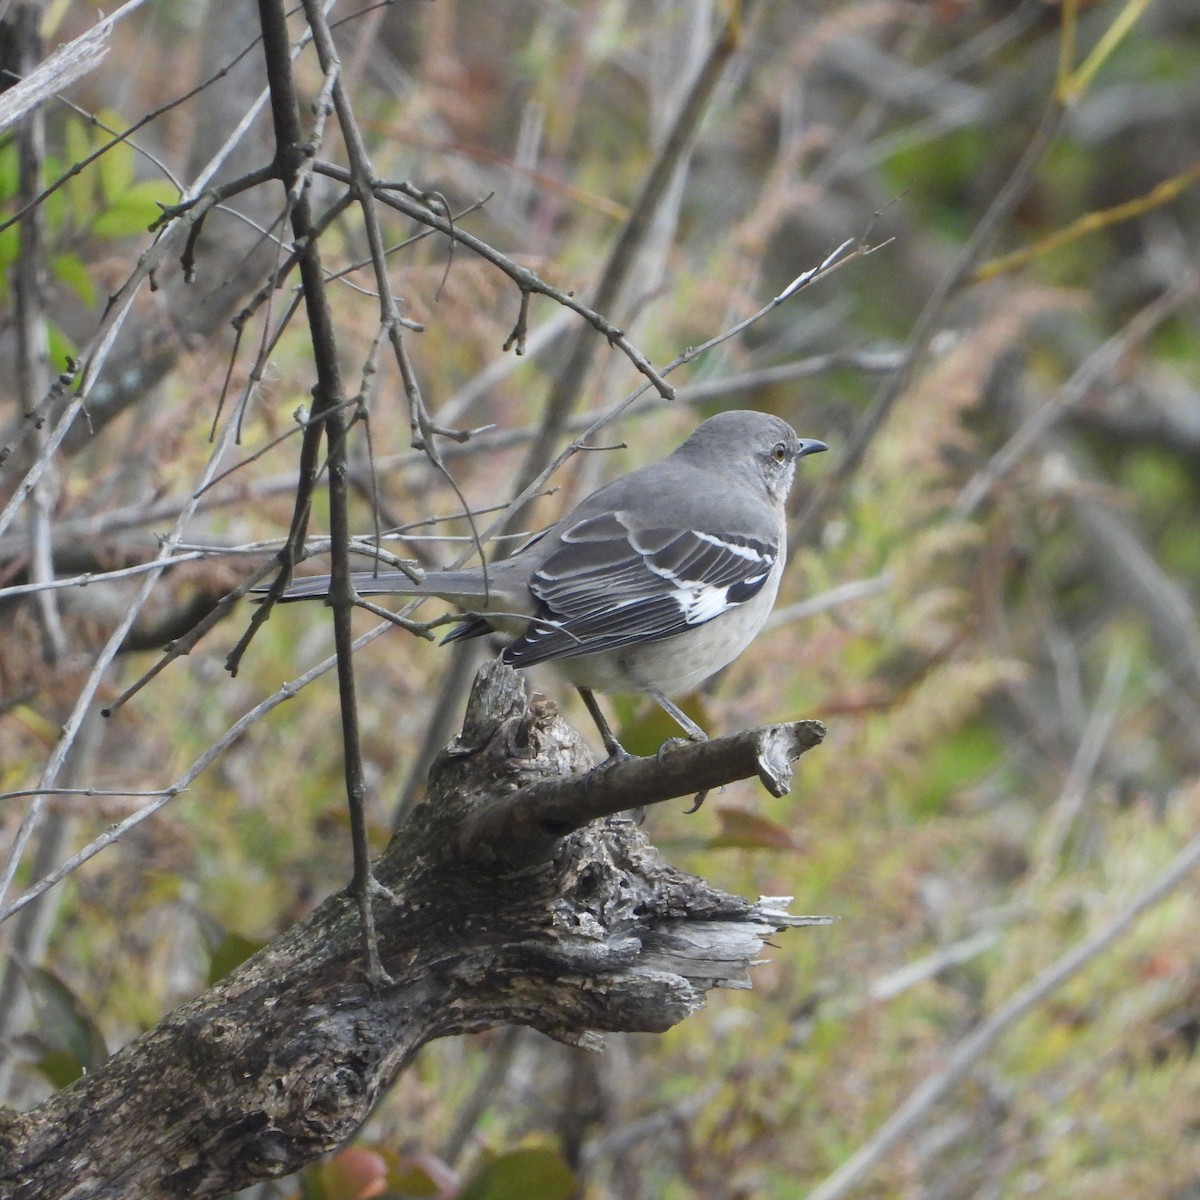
(610, 583)
(700, 604)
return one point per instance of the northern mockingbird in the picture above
(652, 584)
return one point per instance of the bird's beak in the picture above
(810, 446)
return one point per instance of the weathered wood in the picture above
(577, 934)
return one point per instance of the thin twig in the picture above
(126, 135)
(1098, 365)
(844, 253)
(568, 383)
(185, 645)
(1057, 824)
(395, 195)
(23, 793)
(971, 1050)
(32, 348)
(74, 722)
(226, 741)
(484, 440)
(295, 158)
(930, 318)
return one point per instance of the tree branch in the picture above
(282, 1060)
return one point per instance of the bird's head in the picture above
(751, 443)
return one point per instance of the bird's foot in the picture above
(616, 753)
(677, 743)
(694, 737)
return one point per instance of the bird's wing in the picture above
(608, 584)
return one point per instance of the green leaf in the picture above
(643, 726)
(531, 1174)
(231, 952)
(71, 270)
(117, 165)
(134, 210)
(60, 347)
(72, 1039)
(79, 189)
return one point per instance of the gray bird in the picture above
(653, 583)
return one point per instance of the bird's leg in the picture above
(616, 751)
(693, 731)
(614, 747)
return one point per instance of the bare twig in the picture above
(930, 318)
(24, 793)
(568, 383)
(395, 195)
(971, 1050)
(74, 722)
(93, 356)
(124, 136)
(843, 254)
(295, 158)
(33, 367)
(212, 753)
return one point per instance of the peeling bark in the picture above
(575, 933)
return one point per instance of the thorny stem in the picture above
(293, 158)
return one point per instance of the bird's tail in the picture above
(367, 583)
(464, 589)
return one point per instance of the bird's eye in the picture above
(779, 452)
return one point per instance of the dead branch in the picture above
(281, 1061)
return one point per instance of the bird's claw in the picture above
(616, 753)
(672, 743)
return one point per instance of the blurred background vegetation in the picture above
(991, 600)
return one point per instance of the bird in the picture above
(652, 584)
